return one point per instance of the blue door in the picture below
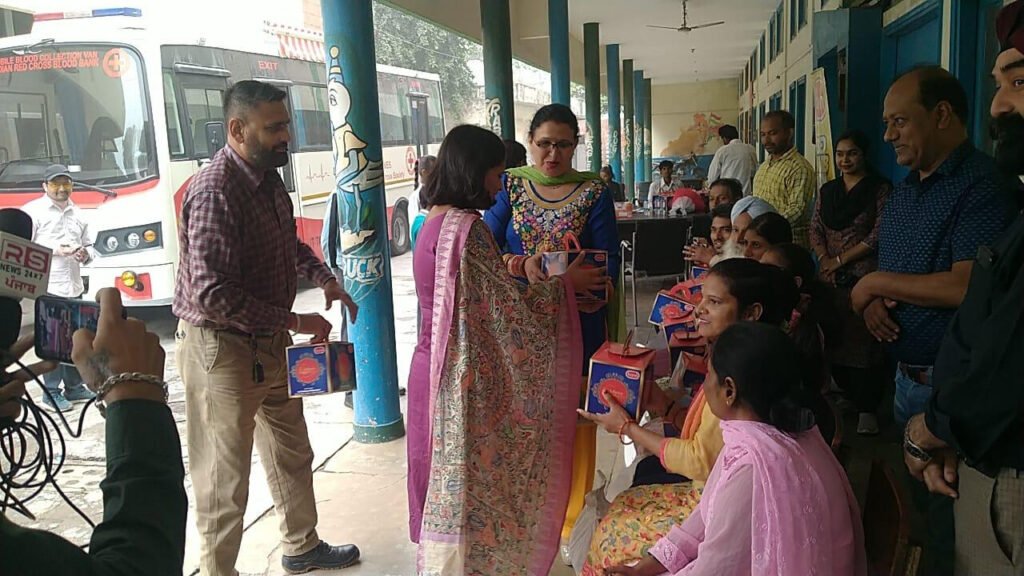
(760, 116)
(913, 40)
(798, 106)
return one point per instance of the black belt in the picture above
(918, 374)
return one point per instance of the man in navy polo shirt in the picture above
(953, 202)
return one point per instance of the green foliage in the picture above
(407, 41)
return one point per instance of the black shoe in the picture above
(348, 399)
(323, 557)
(401, 390)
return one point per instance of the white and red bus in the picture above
(127, 110)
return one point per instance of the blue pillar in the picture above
(592, 80)
(628, 139)
(497, 42)
(643, 172)
(558, 33)
(359, 184)
(614, 112)
(648, 125)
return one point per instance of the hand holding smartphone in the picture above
(56, 321)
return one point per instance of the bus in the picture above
(130, 111)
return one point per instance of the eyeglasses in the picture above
(562, 145)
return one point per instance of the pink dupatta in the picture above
(504, 386)
(797, 524)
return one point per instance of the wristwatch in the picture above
(915, 451)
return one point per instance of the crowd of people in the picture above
(860, 282)
(847, 287)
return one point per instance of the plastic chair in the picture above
(886, 517)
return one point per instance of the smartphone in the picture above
(57, 319)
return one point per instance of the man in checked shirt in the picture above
(240, 263)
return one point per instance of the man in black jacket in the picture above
(144, 503)
(971, 435)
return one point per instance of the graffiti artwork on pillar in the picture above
(358, 179)
(494, 115)
(627, 138)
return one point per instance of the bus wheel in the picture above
(400, 230)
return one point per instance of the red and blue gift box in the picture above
(622, 370)
(323, 368)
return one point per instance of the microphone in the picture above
(24, 271)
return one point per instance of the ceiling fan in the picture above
(685, 26)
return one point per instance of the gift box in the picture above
(624, 371)
(698, 272)
(556, 263)
(688, 342)
(690, 291)
(696, 370)
(624, 209)
(686, 325)
(668, 306)
(322, 368)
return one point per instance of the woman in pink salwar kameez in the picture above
(777, 502)
(494, 383)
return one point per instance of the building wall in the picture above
(685, 117)
(796, 60)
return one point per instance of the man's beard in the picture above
(267, 158)
(730, 250)
(1008, 132)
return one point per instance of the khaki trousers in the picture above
(990, 523)
(226, 411)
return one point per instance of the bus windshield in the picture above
(82, 105)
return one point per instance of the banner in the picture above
(824, 159)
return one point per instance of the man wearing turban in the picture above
(969, 442)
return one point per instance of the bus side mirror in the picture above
(214, 137)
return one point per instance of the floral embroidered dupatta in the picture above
(504, 387)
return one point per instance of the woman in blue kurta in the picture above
(538, 207)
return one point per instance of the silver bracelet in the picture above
(113, 381)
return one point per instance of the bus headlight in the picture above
(128, 278)
(130, 238)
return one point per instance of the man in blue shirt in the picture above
(953, 202)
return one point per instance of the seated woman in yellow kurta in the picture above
(667, 485)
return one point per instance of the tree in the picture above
(407, 41)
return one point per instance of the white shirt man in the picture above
(663, 184)
(735, 159)
(61, 226)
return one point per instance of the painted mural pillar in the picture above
(614, 112)
(558, 34)
(592, 82)
(648, 124)
(497, 42)
(628, 117)
(359, 184)
(643, 171)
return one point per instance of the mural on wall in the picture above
(700, 138)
